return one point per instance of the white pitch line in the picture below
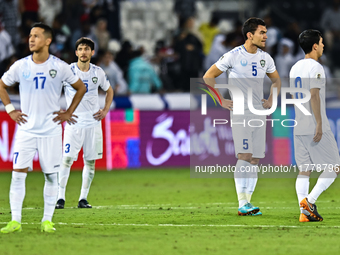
(186, 206)
(183, 225)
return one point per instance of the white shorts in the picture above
(308, 153)
(49, 151)
(91, 139)
(248, 139)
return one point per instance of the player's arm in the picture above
(315, 103)
(209, 79)
(68, 115)
(108, 101)
(15, 115)
(276, 83)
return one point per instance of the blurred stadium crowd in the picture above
(148, 46)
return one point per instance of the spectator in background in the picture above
(292, 32)
(62, 36)
(330, 23)
(114, 73)
(123, 57)
(209, 31)
(222, 44)
(29, 15)
(102, 34)
(49, 9)
(189, 50)
(84, 31)
(6, 49)
(72, 11)
(284, 60)
(273, 34)
(142, 77)
(237, 32)
(185, 8)
(9, 13)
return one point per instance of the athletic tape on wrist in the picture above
(9, 108)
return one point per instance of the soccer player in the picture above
(87, 132)
(314, 141)
(247, 66)
(40, 76)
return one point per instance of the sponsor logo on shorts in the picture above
(100, 153)
(56, 166)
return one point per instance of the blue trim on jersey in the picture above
(81, 70)
(49, 55)
(244, 48)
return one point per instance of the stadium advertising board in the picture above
(7, 131)
(165, 138)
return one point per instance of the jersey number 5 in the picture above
(254, 71)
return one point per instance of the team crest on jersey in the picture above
(94, 79)
(263, 62)
(244, 62)
(26, 74)
(53, 73)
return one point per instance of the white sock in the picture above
(17, 194)
(63, 176)
(88, 174)
(251, 181)
(302, 187)
(324, 181)
(241, 181)
(50, 195)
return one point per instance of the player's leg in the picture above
(243, 151)
(88, 174)
(252, 177)
(326, 156)
(24, 151)
(50, 157)
(304, 163)
(93, 149)
(259, 149)
(73, 140)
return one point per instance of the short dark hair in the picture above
(251, 25)
(308, 38)
(85, 40)
(48, 32)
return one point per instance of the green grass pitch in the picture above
(164, 211)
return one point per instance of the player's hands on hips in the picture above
(318, 133)
(228, 104)
(65, 116)
(100, 115)
(267, 103)
(18, 117)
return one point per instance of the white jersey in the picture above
(95, 77)
(247, 70)
(308, 74)
(40, 87)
